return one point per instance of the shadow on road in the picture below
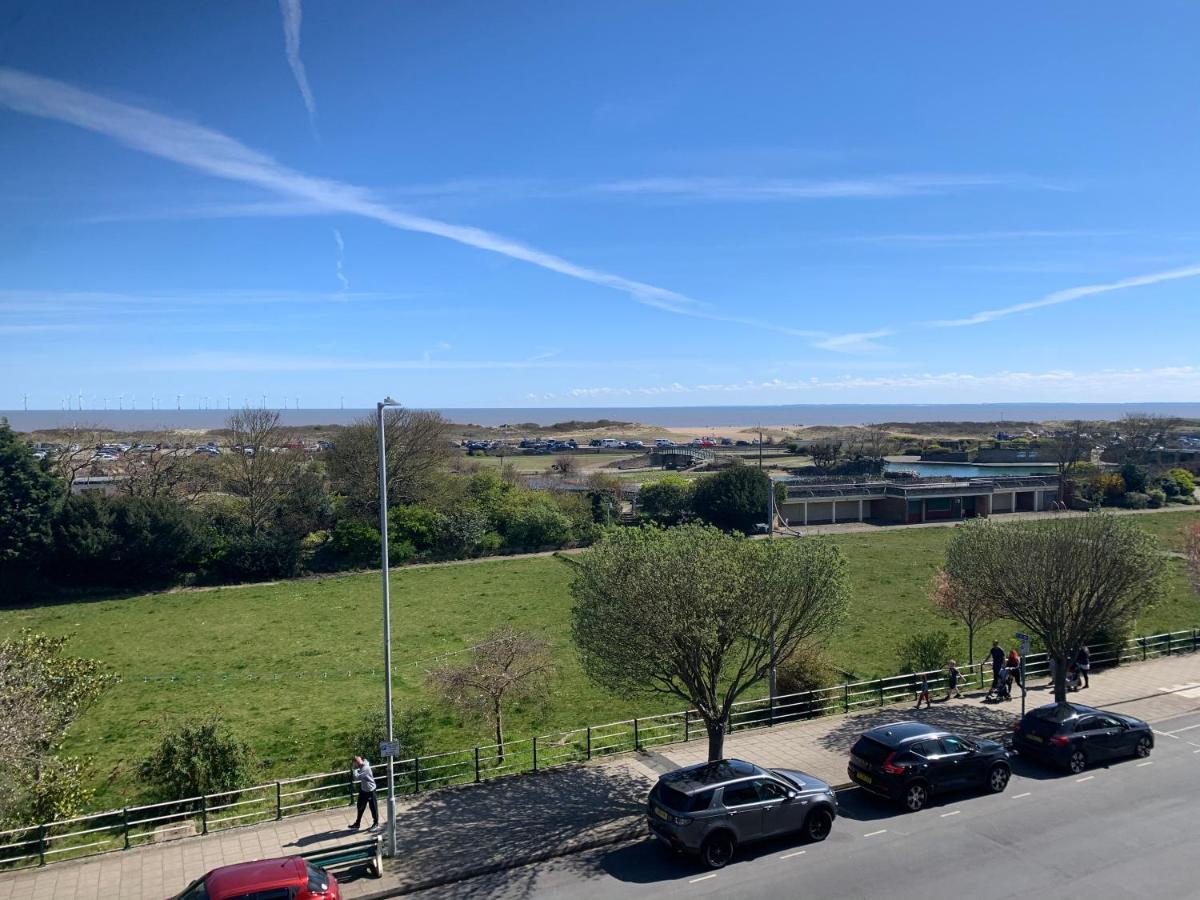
(963, 718)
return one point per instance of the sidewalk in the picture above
(456, 833)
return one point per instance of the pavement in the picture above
(482, 833)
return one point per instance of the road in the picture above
(1130, 828)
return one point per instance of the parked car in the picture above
(712, 808)
(1072, 735)
(664, 442)
(910, 761)
(290, 877)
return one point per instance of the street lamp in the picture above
(387, 623)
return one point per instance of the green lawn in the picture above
(294, 665)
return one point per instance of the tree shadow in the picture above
(972, 719)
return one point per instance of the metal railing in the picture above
(137, 826)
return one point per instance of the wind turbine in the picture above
(179, 401)
(120, 401)
(25, 401)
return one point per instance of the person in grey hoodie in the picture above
(365, 779)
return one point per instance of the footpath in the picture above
(457, 833)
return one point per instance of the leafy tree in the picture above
(508, 665)
(356, 543)
(200, 756)
(667, 500)
(29, 495)
(734, 499)
(1184, 480)
(971, 610)
(537, 524)
(42, 692)
(419, 526)
(1062, 579)
(1134, 476)
(691, 612)
(924, 652)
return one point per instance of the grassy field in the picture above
(295, 665)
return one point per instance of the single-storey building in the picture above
(916, 500)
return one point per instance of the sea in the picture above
(698, 417)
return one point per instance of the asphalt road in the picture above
(1128, 829)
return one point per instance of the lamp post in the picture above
(387, 623)
(771, 675)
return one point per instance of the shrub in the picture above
(732, 500)
(1136, 500)
(200, 756)
(247, 556)
(1185, 480)
(355, 543)
(1156, 498)
(1168, 485)
(420, 526)
(808, 669)
(1110, 486)
(537, 525)
(667, 501)
(924, 652)
(1134, 477)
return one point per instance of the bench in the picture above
(369, 852)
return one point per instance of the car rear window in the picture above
(870, 750)
(681, 802)
(318, 879)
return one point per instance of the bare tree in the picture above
(1070, 447)
(166, 472)
(1140, 434)
(566, 464)
(972, 610)
(509, 665)
(1062, 579)
(876, 441)
(418, 446)
(825, 454)
(252, 470)
(700, 615)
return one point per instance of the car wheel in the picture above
(916, 795)
(818, 825)
(717, 850)
(1078, 762)
(998, 778)
(1142, 750)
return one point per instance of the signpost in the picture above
(1024, 639)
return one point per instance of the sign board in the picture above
(1024, 639)
(389, 749)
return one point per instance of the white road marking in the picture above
(1019, 796)
(1139, 765)
(790, 855)
(955, 813)
(1182, 730)
(873, 833)
(1167, 734)
(1084, 778)
(1191, 690)
(1196, 751)
(703, 878)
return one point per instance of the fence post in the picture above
(589, 742)
(416, 774)
(881, 693)
(41, 845)
(351, 786)
(636, 742)
(687, 724)
(203, 814)
(278, 802)
(535, 753)
(1142, 639)
(1168, 643)
(1195, 634)
(846, 697)
(125, 825)
(477, 765)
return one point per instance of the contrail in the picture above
(341, 260)
(292, 14)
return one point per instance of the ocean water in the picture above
(698, 417)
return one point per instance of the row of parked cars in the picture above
(711, 809)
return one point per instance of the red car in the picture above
(288, 878)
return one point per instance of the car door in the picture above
(953, 768)
(1112, 736)
(744, 809)
(783, 809)
(1093, 737)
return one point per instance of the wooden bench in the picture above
(369, 852)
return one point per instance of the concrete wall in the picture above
(819, 511)
(847, 510)
(889, 509)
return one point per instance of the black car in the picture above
(1072, 735)
(909, 761)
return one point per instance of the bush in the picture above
(808, 669)
(1134, 477)
(732, 500)
(355, 543)
(59, 791)
(925, 652)
(245, 556)
(1156, 497)
(1185, 481)
(1168, 485)
(537, 525)
(420, 526)
(1110, 486)
(410, 729)
(667, 501)
(201, 756)
(1136, 500)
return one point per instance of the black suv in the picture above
(1072, 735)
(908, 761)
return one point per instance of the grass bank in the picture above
(294, 665)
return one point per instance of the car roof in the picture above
(898, 733)
(1061, 712)
(703, 776)
(257, 875)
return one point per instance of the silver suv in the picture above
(711, 808)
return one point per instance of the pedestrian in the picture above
(1083, 662)
(365, 779)
(1014, 668)
(1051, 669)
(953, 675)
(923, 691)
(996, 654)
(1073, 682)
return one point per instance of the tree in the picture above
(734, 499)
(418, 446)
(825, 454)
(924, 652)
(1139, 434)
(508, 665)
(1062, 579)
(166, 473)
(253, 472)
(876, 442)
(42, 692)
(667, 501)
(29, 495)
(1070, 447)
(200, 756)
(971, 610)
(565, 464)
(698, 614)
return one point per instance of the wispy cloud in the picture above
(975, 237)
(341, 260)
(217, 154)
(764, 189)
(855, 342)
(232, 362)
(292, 15)
(1070, 294)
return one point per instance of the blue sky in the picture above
(563, 204)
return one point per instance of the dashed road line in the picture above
(1140, 765)
(955, 813)
(1084, 778)
(703, 878)
(873, 833)
(1019, 796)
(790, 855)
(1167, 734)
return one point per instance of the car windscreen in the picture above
(870, 750)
